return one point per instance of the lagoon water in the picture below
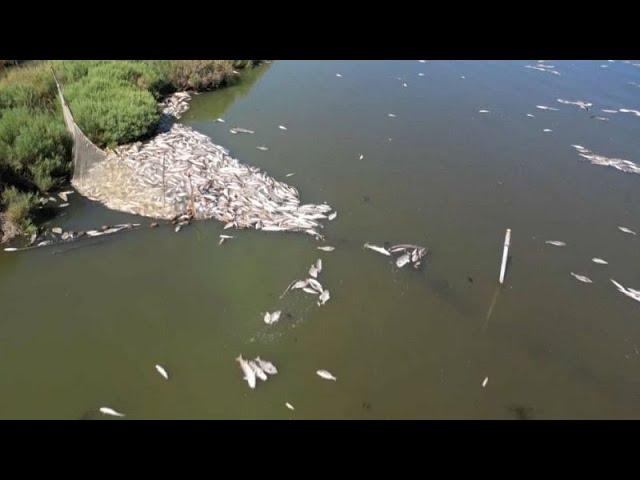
(82, 325)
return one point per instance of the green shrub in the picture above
(112, 111)
(196, 74)
(19, 206)
(35, 146)
(31, 86)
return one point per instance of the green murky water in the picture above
(82, 326)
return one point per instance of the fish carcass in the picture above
(326, 375)
(249, 374)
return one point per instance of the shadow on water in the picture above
(521, 412)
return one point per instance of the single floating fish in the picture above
(599, 261)
(626, 230)
(544, 107)
(361, 157)
(402, 260)
(220, 120)
(267, 366)
(483, 111)
(56, 230)
(262, 148)
(556, 243)
(323, 298)
(375, 248)
(10, 249)
(404, 84)
(289, 406)
(289, 174)
(338, 75)
(223, 238)
(391, 115)
(326, 248)
(110, 411)
(257, 370)
(282, 127)
(547, 130)
(162, 371)
(421, 74)
(332, 216)
(326, 375)
(581, 278)
(530, 115)
(485, 381)
(249, 374)
(271, 318)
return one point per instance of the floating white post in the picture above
(505, 252)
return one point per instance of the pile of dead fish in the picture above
(583, 105)
(542, 67)
(256, 368)
(181, 171)
(405, 253)
(626, 166)
(311, 285)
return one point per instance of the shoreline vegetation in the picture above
(113, 102)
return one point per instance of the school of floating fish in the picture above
(626, 166)
(180, 171)
(256, 368)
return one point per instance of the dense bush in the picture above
(112, 111)
(30, 86)
(18, 208)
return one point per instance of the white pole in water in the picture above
(505, 252)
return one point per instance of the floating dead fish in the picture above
(257, 370)
(547, 130)
(315, 284)
(267, 366)
(249, 374)
(111, 411)
(63, 196)
(602, 119)
(544, 107)
(404, 84)
(56, 230)
(220, 120)
(236, 130)
(485, 381)
(262, 148)
(617, 163)
(421, 74)
(282, 127)
(378, 249)
(581, 278)
(483, 111)
(629, 292)
(361, 157)
(530, 115)
(626, 110)
(608, 110)
(10, 249)
(326, 248)
(599, 261)
(402, 260)
(391, 115)
(177, 229)
(324, 297)
(338, 75)
(310, 290)
(326, 375)
(300, 284)
(289, 406)
(223, 238)
(162, 371)
(583, 105)
(289, 174)
(627, 230)
(63, 205)
(332, 216)
(271, 318)
(313, 271)
(555, 243)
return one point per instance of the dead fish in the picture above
(556, 243)
(403, 260)
(485, 381)
(326, 375)
(323, 298)
(63, 205)
(338, 75)
(547, 130)
(544, 107)
(162, 371)
(599, 261)
(289, 174)
(332, 216)
(271, 318)
(483, 111)
(249, 374)
(282, 127)
(299, 284)
(63, 196)
(315, 284)
(262, 148)
(289, 406)
(319, 265)
(56, 230)
(10, 249)
(220, 120)
(257, 370)
(313, 271)
(361, 157)
(375, 248)
(404, 84)
(267, 366)
(391, 115)
(421, 74)
(530, 116)
(310, 290)
(605, 110)
(629, 292)
(177, 229)
(627, 230)
(223, 238)
(110, 411)
(581, 278)
(326, 248)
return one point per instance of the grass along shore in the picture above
(113, 101)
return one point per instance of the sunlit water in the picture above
(82, 325)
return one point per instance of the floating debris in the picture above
(326, 248)
(580, 103)
(289, 406)
(599, 261)
(618, 163)
(111, 411)
(627, 230)
(249, 374)
(544, 107)
(162, 371)
(629, 292)
(375, 248)
(223, 238)
(326, 375)
(581, 278)
(271, 318)
(556, 243)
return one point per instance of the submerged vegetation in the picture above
(113, 102)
